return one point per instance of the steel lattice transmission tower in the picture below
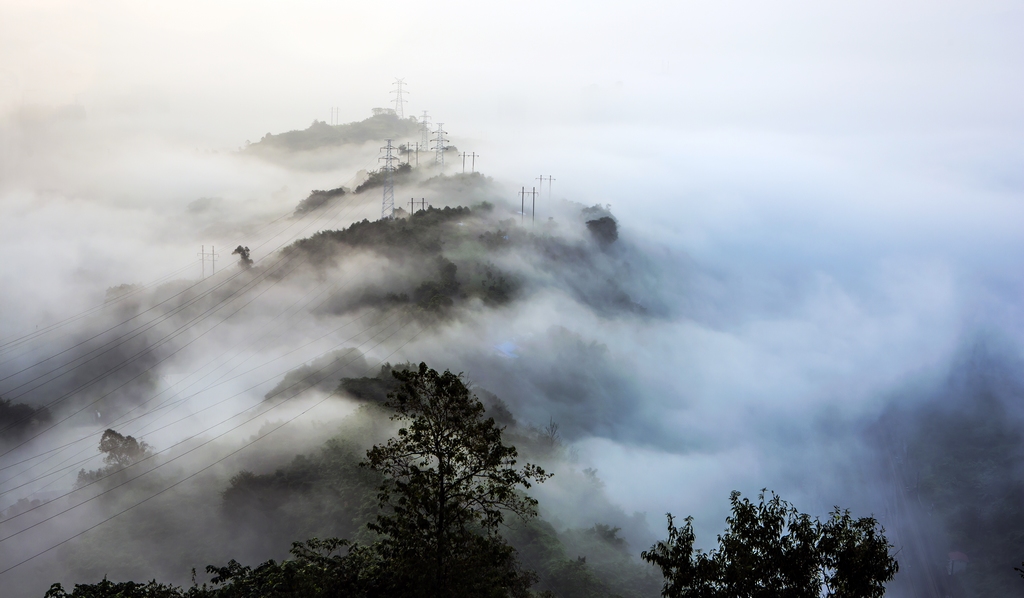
(387, 209)
(439, 144)
(399, 100)
(425, 130)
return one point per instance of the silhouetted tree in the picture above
(243, 256)
(771, 550)
(449, 480)
(118, 452)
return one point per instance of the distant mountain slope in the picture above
(320, 134)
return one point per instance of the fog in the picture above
(819, 241)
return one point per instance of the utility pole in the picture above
(463, 154)
(522, 211)
(413, 202)
(425, 131)
(533, 212)
(474, 156)
(387, 209)
(550, 180)
(417, 154)
(439, 145)
(213, 259)
(399, 100)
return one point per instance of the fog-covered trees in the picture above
(17, 420)
(771, 550)
(448, 482)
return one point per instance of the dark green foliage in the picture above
(324, 493)
(449, 481)
(374, 390)
(419, 234)
(319, 569)
(126, 589)
(497, 289)
(495, 240)
(329, 493)
(604, 230)
(377, 178)
(321, 373)
(964, 465)
(593, 563)
(17, 420)
(438, 295)
(771, 550)
(317, 199)
(420, 240)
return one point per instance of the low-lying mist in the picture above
(655, 336)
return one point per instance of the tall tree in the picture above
(449, 482)
(771, 550)
(121, 451)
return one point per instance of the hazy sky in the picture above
(848, 175)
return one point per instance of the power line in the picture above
(16, 342)
(119, 422)
(321, 303)
(184, 291)
(12, 343)
(193, 449)
(337, 215)
(218, 461)
(124, 338)
(208, 387)
(213, 426)
(333, 287)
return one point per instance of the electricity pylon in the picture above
(425, 131)
(439, 144)
(387, 209)
(399, 100)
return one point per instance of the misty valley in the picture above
(377, 396)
